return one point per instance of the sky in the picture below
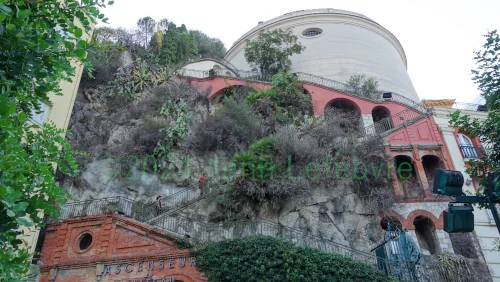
(438, 36)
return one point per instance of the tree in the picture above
(207, 46)
(162, 25)
(487, 77)
(39, 42)
(271, 51)
(364, 86)
(146, 28)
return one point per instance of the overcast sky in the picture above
(438, 36)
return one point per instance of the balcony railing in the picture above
(472, 152)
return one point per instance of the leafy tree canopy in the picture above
(487, 77)
(39, 41)
(271, 51)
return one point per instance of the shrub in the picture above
(254, 96)
(232, 128)
(259, 258)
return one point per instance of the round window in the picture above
(85, 241)
(312, 32)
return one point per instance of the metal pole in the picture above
(495, 213)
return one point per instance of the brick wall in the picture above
(120, 249)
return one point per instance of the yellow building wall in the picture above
(60, 111)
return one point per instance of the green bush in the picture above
(232, 128)
(260, 258)
(254, 96)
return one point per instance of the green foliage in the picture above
(178, 112)
(487, 77)
(260, 258)
(208, 46)
(39, 40)
(272, 50)
(257, 160)
(139, 77)
(487, 74)
(254, 96)
(366, 87)
(288, 102)
(232, 128)
(183, 244)
(177, 45)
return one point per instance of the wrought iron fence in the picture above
(472, 152)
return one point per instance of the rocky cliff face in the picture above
(119, 136)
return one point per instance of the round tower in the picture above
(338, 45)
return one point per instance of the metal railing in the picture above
(348, 89)
(472, 152)
(393, 121)
(118, 205)
(221, 61)
(213, 232)
(331, 84)
(170, 203)
(210, 232)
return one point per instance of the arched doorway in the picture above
(426, 235)
(430, 163)
(345, 115)
(381, 119)
(407, 177)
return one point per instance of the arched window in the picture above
(228, 73)
(468, 149)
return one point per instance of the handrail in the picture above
(210, 232)
(331, 84)
(346, 88)
(222, 61)
(393, 121)
(169, 203)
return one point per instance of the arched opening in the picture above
(391, 223)
(467, 147)
(345, 115)
(430, 163)
(426, 235)
(238, 92)
(407, 177)
(217, 69)
(381, 119)
(228, 73)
